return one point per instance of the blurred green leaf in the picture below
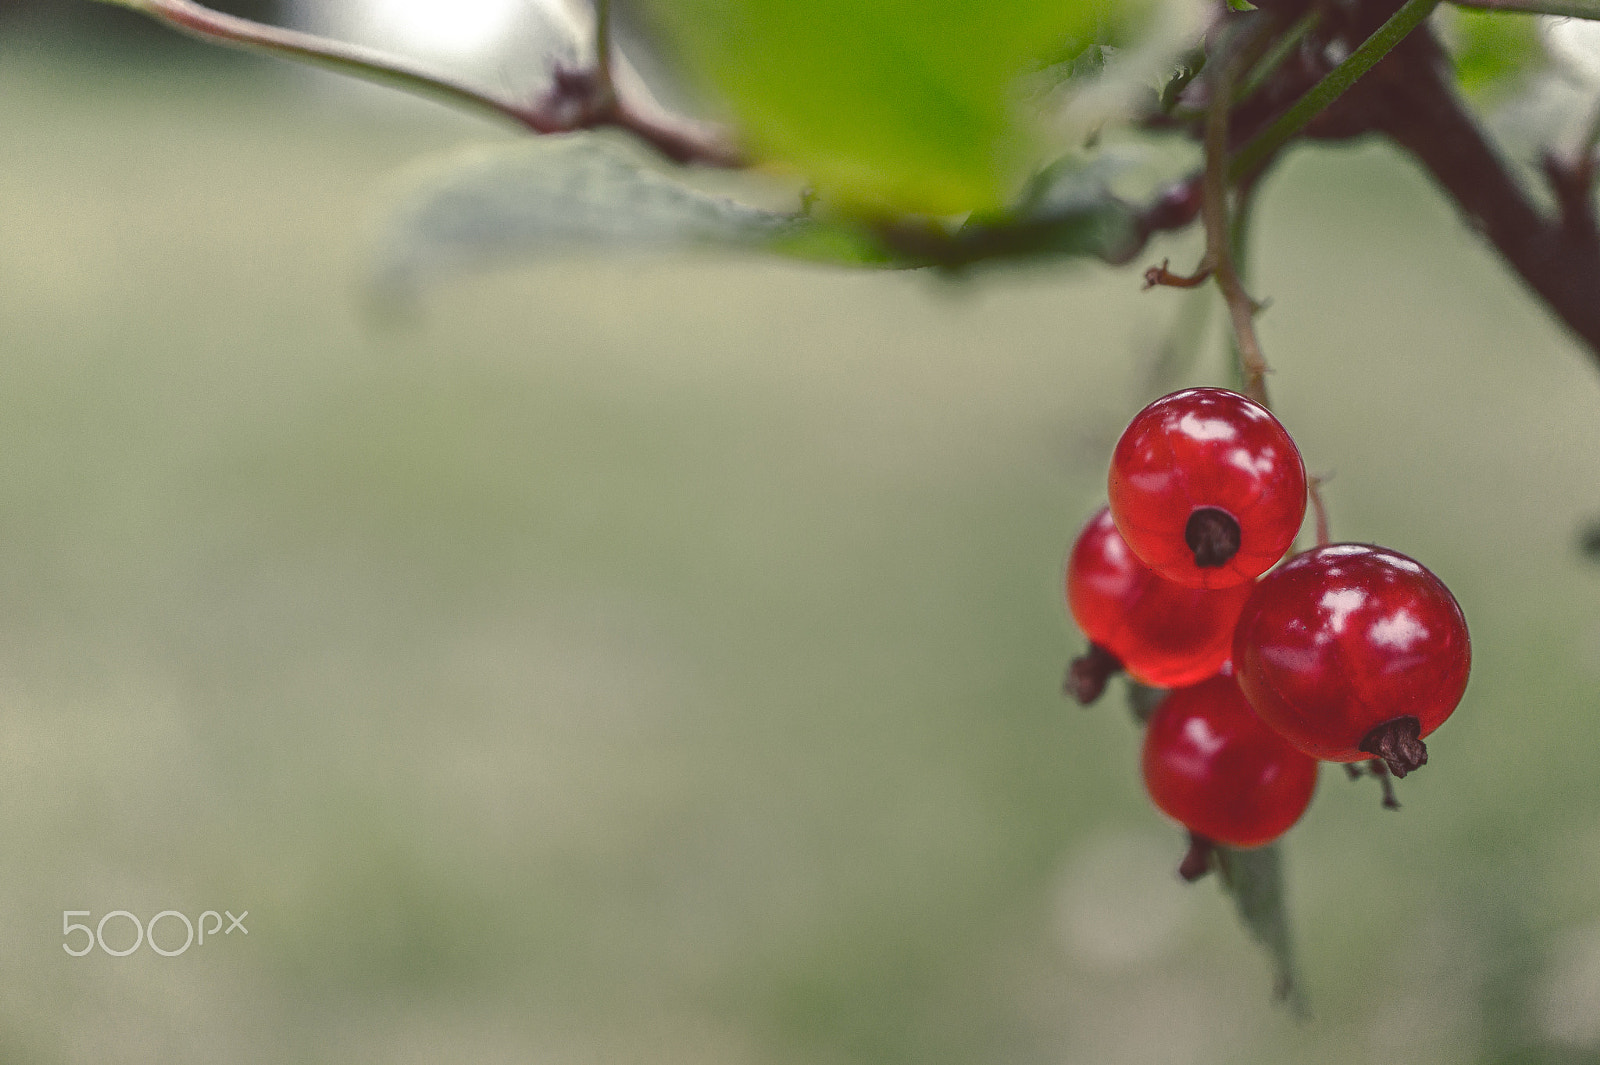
(900, 105)
(1143, 700)
(1088, 63)
(557, 195)
(554, 195)
(1490, 48)
(1067, 210)
(1255, 880)
(1184, 71)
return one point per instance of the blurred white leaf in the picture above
(516, 39)
(1574, 44)
(1552, 111)
(1078, 108)
(1557, 105)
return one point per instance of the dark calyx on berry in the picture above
(1397, 744)
(1197, 860)
(1213, 535)
(1089, 672)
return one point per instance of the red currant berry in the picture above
(1211, 764)
(1353, 652)
(1162, 633)
(1207, 487)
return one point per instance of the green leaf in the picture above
(1255, 880)
(1088, 63)
(886, 105)
(1491, 48)
(1184, 71)
(554, 195)
(550, 196)
(1067, 211)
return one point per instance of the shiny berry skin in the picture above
(1211, 764)
(1207, 487)
(1162, 633)
(1353, 652)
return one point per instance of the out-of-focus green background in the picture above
(656, 660)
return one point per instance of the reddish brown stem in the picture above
(1410, 98)
(1161, 276)
(577, 99)
(1219, 234)
(1319, 509)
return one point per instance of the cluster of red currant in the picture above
(1346, 653)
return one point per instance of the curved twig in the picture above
(610, 94)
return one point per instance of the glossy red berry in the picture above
(1164, 634)
(1207, 487)
(1212, 765)
(1353, 652)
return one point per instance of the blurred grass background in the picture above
(657, 660)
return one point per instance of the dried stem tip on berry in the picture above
(1213, 535)
(1197, 860)
(1398, 745)
(1089, 673)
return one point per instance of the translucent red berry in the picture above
(1353, 652)
(1163, 633)
(1207, 488)
(1212, 765)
